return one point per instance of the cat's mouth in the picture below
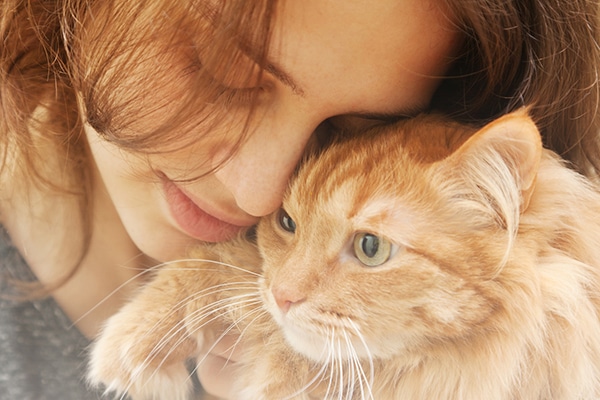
(317, 333)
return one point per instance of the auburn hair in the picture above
(538, 53)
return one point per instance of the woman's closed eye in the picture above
(358, 122)
(239, 86)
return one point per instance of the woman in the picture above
(132, 130)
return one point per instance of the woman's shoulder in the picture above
(12, 265)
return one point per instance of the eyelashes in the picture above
(232, 87)
(240, 97)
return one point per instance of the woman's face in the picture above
(349, 62)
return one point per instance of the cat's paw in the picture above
(130, 359)
(168, 383)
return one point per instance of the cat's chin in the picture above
(312, 345)
(324, 344)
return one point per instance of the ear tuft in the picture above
(516, 139)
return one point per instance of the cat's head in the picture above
(399, 238)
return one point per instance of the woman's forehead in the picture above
(353, 53)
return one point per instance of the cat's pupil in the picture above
(286, 222)
(370, 245)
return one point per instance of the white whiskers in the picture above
(342, 370)
(164, 265)
(189, 322)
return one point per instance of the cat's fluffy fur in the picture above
(491, 289)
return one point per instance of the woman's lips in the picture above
(194, 220)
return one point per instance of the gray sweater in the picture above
(42, 356)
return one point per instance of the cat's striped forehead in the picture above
(378, 159)
(362, 186)
(359, 167)
(376, 181)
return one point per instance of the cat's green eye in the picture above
(285, 221)
(371, 250)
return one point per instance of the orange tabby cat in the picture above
(419, 261)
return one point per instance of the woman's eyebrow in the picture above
(272, 68)
(284, 78)
(402, 113)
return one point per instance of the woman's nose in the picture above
(257, 173)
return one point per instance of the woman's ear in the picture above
(513, 140)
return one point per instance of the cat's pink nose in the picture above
(285, 297)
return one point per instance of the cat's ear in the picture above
(513, 140)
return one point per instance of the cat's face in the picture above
(375, 253)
